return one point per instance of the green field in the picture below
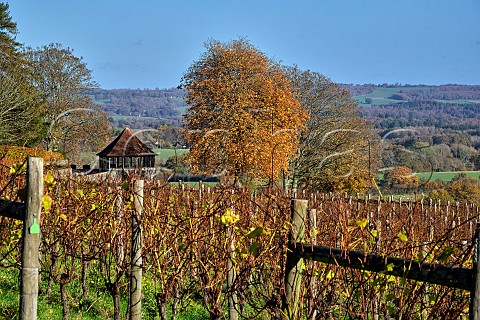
(381, 95)
(103, 101)
(460, 101)
(444, 176)
(132, 117)
(165, 153)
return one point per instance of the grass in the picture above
(460, 101)
(444, 176)
(165, 153)
(195, 185)
(102, 101)
(447, 175)
(381, 95)
(132, 117)
(97, 306)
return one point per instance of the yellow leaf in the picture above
(46, 202)
(362, 223)
(49, 179)
(229, 217)
(330, 274)
(402, 236)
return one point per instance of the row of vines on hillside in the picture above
(432, 233)
(195, 237)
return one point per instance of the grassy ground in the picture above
(447, 176)
(461, 101)
(98, 304)
(131, 117)
(444, 176)
(381, 95)
(165, 153)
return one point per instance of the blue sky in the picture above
(150, 43)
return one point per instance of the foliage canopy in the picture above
(19, 104)
(244, 117)
(62, 80)
(337, 146)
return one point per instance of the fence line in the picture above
(433, 273)
(460, 278)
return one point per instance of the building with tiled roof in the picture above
(127, 151)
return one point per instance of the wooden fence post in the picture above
(293, 267)
(475, 291)
(31, 240)
(313, 282)
(136, 262)
(231, 279)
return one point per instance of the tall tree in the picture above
(336, 149)
(63, 80)
(19, 106)
(244, 117)
(8, 31)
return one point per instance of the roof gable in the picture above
(126, 145)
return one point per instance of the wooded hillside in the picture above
(388, 106)
(442, 120)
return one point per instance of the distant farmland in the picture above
(446, 176)
(165, 153)
(381, 95)
(384, 95)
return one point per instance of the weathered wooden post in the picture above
(136, 262)
(31, 240)
(231, 279)
(313, 282)
(475, 291)
(293, 268)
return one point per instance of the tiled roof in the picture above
(126, 145)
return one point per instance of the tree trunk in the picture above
(114, 290)
(84, 279)
(176, 300)
(51, 271)
(64, 298)
(116, 306)
(161, 306)
(216, 313)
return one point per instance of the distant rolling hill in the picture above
(390, 106)
(141, 108)
(369, 94)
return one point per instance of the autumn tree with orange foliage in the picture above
(401, 177)
(465, 189)
(244, 119)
